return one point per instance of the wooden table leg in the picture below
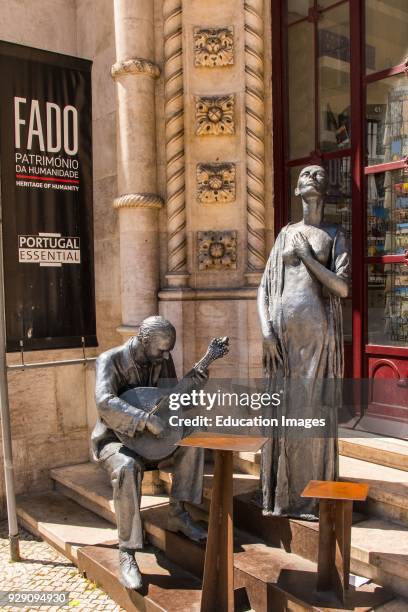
(327, 545)
(218, 581)
(335, 518)
(343, 521)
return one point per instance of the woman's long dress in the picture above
(309, 329)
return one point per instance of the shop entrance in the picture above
(340, 99)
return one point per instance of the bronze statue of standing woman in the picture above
(299, 307)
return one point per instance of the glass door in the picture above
(340, 99)
(385, 85)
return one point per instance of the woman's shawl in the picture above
(340, 265)
(272, 283)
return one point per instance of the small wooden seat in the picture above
(335, 518)
(327, 489)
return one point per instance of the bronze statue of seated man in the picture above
(142, 361)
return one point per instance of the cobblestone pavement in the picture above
(44, 569)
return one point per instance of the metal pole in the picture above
(5, 420)
(51, 364)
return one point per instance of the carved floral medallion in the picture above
(215, 115)
(213, 46)
(216, 182)
(217, 250)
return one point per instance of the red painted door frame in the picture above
(282, 164)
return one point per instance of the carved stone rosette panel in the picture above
(217, 250)
(213, 46)
(215, 115)
(255, 132)
(216, 182)
(174, 122)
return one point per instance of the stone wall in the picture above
(52, 409)
(47, 24)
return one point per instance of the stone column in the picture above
(137, 203)
(255, 138)
(175, 159)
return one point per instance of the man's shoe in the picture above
(183, 522)
(130, 575)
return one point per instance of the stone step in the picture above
(242, 482)
(387, 498)
(62, 522)
(272, 578)
(91, 543)
(388, 493)
(166, 587)
(89, 484)
(276, 580)
(380, 552)
(247, 462)
(389, 452)
(379, 549)
(381, 563)
(395, 605)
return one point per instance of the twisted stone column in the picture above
(255, 137)
(135, 73)
(174, 116)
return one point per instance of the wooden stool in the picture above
(335, 517)
(218, 580)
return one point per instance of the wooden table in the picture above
(218, 580)
(335, 518)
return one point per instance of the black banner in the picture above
(46, 198)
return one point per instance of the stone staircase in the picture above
(275, 558)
